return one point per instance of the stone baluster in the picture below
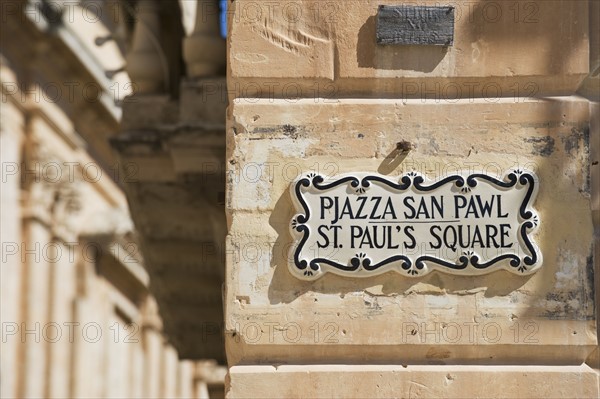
(146, 63)
(12, 137)
(152, 342)
(204, 50)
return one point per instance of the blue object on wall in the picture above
(223, 17)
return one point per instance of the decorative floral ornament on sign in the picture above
(365, 224)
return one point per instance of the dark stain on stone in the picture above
(564, 310)
(373, 306)
(572, 142)
(586, 138)
(290, 131)
(404, 146)
(543, 125)
(587, 188)
(543, 146)
(561, 312)
(591, 287)
(265, 130)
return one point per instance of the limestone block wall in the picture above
(311, 91)
(307, 44)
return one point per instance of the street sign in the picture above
(366, 224)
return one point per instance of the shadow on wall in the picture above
(493, 29)
(502, 26)
(410, 58)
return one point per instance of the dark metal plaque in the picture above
(415, 25)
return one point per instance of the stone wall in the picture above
(311, 91)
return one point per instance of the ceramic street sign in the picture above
(365, 224)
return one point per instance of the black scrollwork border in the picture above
(519, 264)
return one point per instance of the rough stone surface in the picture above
(335, 381)
(294, 49)
(271, 317)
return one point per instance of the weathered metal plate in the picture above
(415, 25)
(365, 224)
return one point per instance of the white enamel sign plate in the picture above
(365, 224)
